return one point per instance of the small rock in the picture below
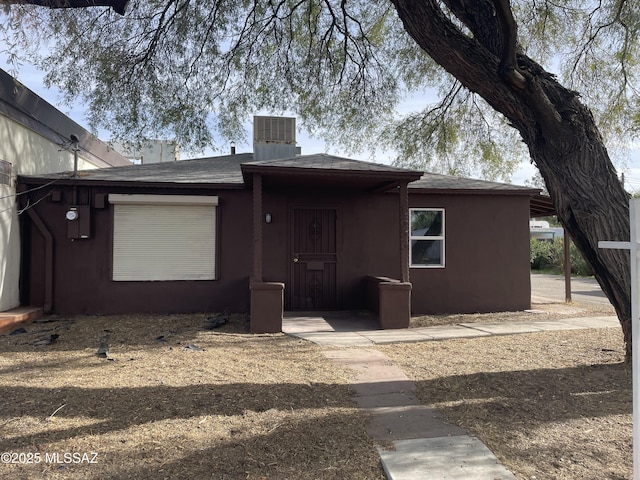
(212, 323)
(192, 347)
(47, 341)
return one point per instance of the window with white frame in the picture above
(164, 237)
(427, 237)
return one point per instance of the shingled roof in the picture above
(433, 182)
(324, 161)
(227, 170)
(219, 171)
(234, 171)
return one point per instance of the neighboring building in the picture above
(150, 151)
(35, 138)
(310, 232)
(540, 230)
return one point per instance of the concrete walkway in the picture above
(348, 329)
(414, 441)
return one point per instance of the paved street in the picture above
(550, 288)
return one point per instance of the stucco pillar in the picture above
(267, 298)
(395, 305)
(257, 228)
(267, 304)
(404, 233)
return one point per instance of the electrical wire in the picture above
(31, 189)
(29, 205)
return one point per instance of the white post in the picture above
(632, 246)
(635, 229)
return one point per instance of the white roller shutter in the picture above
(154, 241)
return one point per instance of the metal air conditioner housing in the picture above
(274, 138)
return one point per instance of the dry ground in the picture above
(179, 401)
(243, 407)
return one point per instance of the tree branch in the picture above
(118, 6)
(508, 66)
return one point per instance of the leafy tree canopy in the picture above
(197, 71)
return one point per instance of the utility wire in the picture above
(31, 189)
(29, 205)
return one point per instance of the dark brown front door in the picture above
(313, 259)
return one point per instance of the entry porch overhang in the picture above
(323, 171)
(328, 171)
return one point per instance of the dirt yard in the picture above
(173, 399)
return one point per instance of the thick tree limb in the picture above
(479, 17)
(118, 6)
(508, 65)
(560, 132)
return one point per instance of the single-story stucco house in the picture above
(269, 231)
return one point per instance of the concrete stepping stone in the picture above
(461, 457)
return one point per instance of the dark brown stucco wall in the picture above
(487, 252)
(368, 242)
(82, 267)
(487, 256)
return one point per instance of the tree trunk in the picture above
(558, 129)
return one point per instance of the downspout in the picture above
(48, 259)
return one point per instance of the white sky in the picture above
(32, 79)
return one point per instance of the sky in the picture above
(32, 79)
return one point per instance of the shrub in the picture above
(546, 255)
(541, 256)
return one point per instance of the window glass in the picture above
(426, 223)
(427, 237)
(426, 252)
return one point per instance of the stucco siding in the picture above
(487, 256)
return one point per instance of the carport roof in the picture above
(542, 206)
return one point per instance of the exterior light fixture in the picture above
(72, 214)
(268, 218)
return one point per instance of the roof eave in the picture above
(475, 191)
(249, 170)
(33, 180)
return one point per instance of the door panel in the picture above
(314, 259)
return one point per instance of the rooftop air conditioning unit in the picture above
(274, 130)
(274, 138)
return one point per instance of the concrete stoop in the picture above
(415, 441)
